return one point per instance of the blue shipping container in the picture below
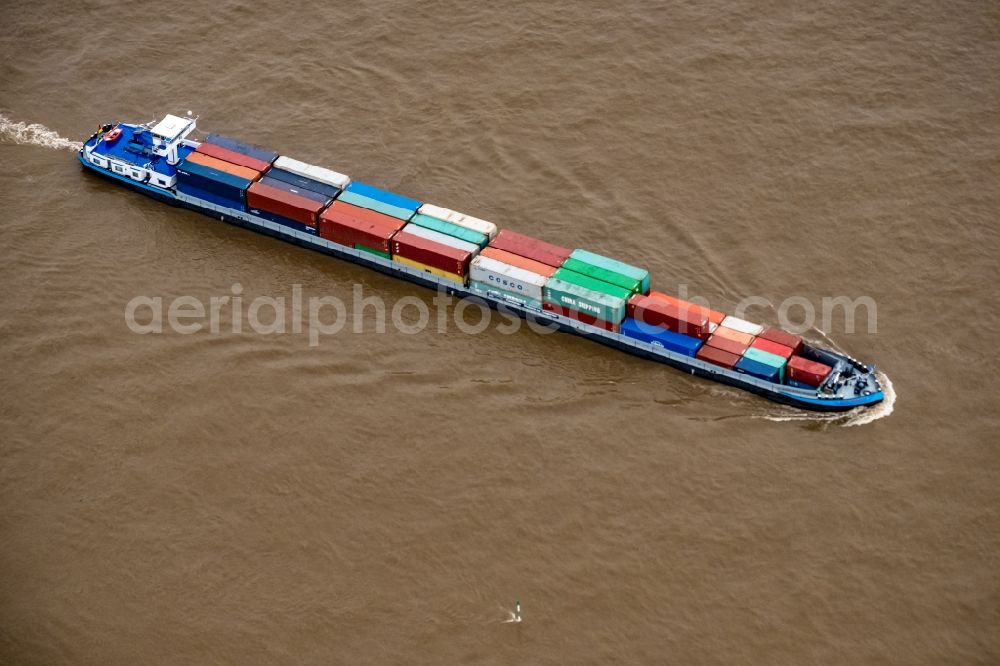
(759, 370)
(304, 183)
(284, 221)
(302, 192)
(675, 342)
(391, 198)
(801, 385)
(210, 197)
(242, 148)
(211, 180)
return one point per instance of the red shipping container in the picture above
(653, 311)
(435, 255)
(717, 356)
(714, 316)
(806, 371)
(350, 225)
(772, 347)
(506, 257)
(581, 317)
(283, 203)
(226, 155)
(725, 344)
(783, 338)
(532, 248)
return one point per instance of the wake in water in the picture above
(858, 417)
(34, 134)
(513, 616)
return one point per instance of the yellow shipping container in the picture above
(454, 277)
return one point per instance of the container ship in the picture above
(576, 290)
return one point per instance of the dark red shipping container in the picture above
(772, 347)
(725, 344)
(435, 255)
(283, 203)
(231, 156)
(532, 248)
(654, 311)
(785, 338)
(581, 317)
(717, 356)
(351, 225)
(806, 371)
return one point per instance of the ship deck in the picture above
(134, 147)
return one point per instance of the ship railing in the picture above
(449, 284)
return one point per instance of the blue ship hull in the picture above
(789, 395)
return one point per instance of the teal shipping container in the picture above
(373, 204)
(767, 358)
(451, 229)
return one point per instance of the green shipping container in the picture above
(640, 274)
(604, 275)
(502, 294)
(365, 248)
(596, 302)
(767, 358)
(453, 230)
(591, 283)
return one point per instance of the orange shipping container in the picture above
(512, 259)
(744, 339)
(239, 159)
(340, 209)
(226, 167)
(714, 316)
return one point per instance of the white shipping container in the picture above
(507, 277)
(742, 325)
(439, 237)
(461, 219)
(321, 174)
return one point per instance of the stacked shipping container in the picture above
(222, 170)
(611, 267)
(431, 255)
(367, 196)
(512, 267)
(506, 281)
(359, 228)
(582, 285)
(482, 226)
(295, 193)
(586, 299)
(530, 248)
(441, 261)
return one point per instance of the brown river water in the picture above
(386, 497)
